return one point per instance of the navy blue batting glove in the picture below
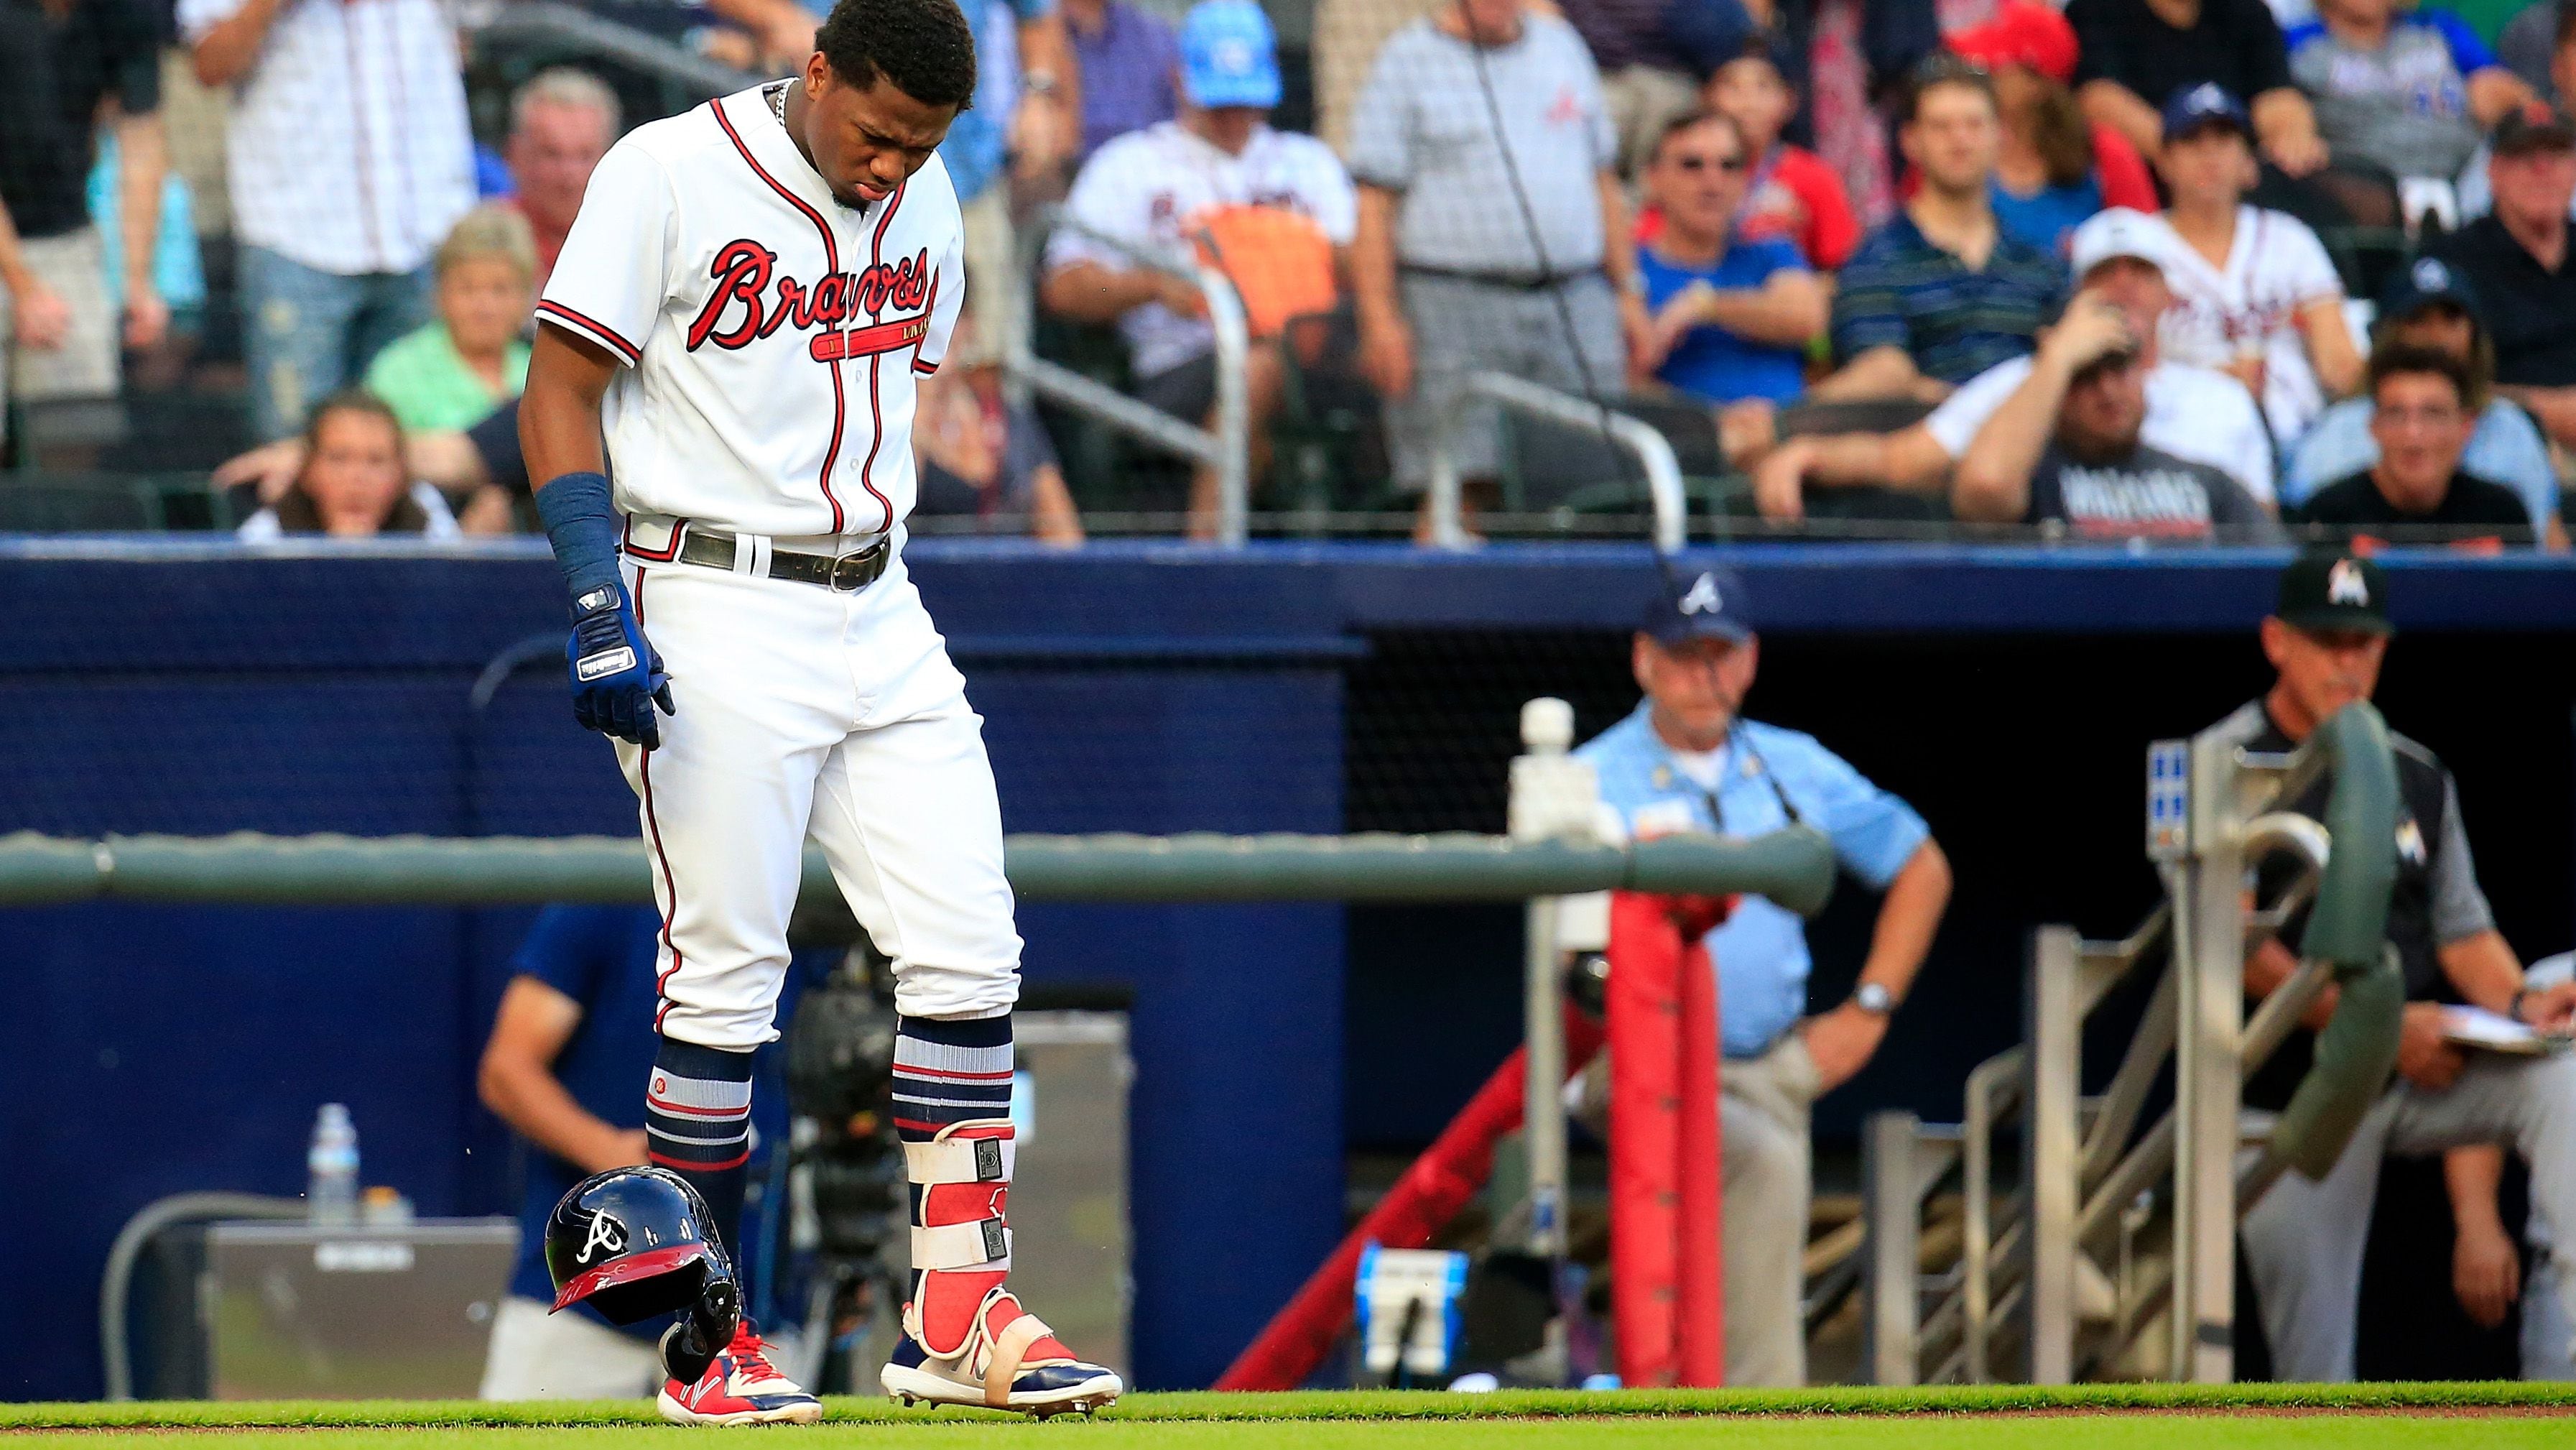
(617, 677)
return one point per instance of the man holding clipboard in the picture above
(2304, 1240)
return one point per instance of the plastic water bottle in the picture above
(331, 1167)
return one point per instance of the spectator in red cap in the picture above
(2057, 167)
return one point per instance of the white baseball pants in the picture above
(800, 711)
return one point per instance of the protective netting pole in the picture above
(1665, 1192)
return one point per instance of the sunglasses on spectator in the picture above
(1703, 163)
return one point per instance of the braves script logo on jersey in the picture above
(752, 299)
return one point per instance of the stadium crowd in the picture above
(1973, 261)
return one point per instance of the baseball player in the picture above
(741, 307)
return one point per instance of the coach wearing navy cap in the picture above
(1687, 760)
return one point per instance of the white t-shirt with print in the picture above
(1147, 188)
(2275, 268)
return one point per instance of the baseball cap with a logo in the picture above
(2118, 232)
(2333, 590)
(1704, 604)
(2423, 283)
(2191, 108)
(1229, 55)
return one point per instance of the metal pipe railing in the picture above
(1227, 448)
(1793, 867)
(1662, 469)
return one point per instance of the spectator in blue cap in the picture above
(1271, 209)
(1687, 760)
(2430, 305)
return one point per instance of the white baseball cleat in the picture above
(740, 1387)
(1018, 1366)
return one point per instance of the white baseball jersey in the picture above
(1148, 187)
(771, 334)
(2275, 267)
(2193, 413)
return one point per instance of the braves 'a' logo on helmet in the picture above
(605, 1233)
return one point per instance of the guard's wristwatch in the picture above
(1874, 999)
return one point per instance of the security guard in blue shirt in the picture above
(1687, 761)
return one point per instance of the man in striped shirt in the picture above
(1941, 293)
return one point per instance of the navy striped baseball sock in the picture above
(954, 1078)
(950, 1072)
(697, 1121)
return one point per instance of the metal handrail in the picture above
(1663, 470)
(1227, 448)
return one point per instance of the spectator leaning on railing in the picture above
(353, 482)
(2429, 306)
(1942, 292)
(561, 122)
(1492, 230)
(61, 66)
(1171, 189)
(2064, 452)
(2196, 414)
(2255, 295)
(349, 158)
(452, 373)
(2421, 417)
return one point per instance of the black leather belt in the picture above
(1508, 281)
(842, 574)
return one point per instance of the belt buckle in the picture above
(850, 573)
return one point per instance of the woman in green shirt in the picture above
(454, 372)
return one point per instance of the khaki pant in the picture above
(1643, 101)
(1763, 1105)
(541, 1356)
(1763, 1110)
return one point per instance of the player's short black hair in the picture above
(924, 46)
(2402, 361)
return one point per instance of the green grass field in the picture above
(2101, 1417)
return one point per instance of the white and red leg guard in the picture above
(968, 1340)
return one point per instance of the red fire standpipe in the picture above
(1421, 1203)
(1665, 1190)
(1703, 1199)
